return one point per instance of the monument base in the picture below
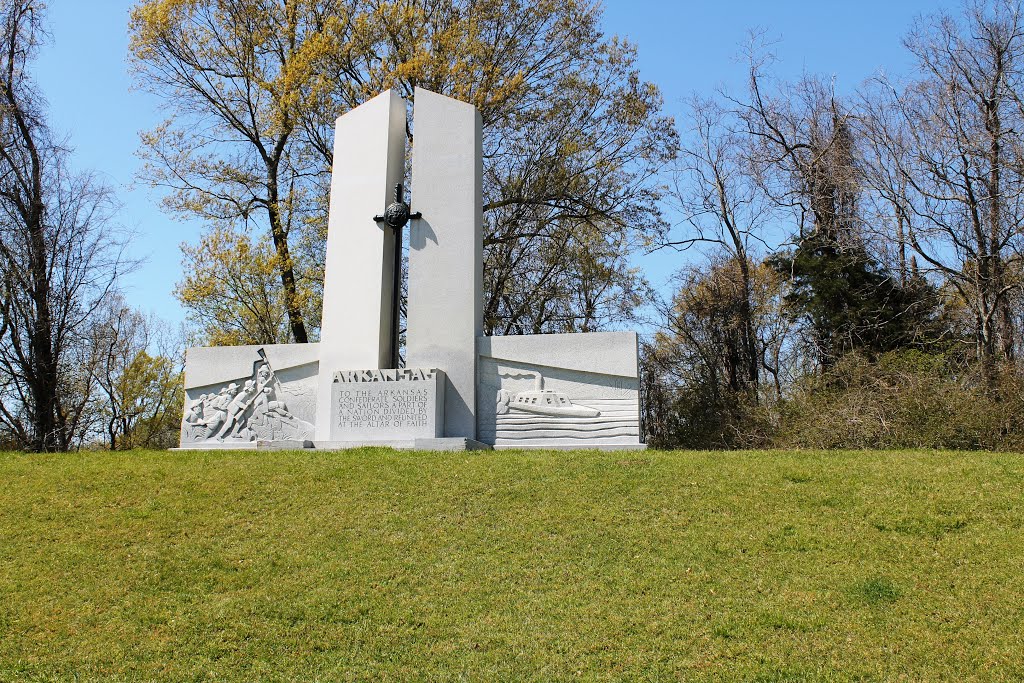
(453, 444)
(438, 444)
(577, 447)
(288, 445)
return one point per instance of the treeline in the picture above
(852, 271)
(860, 278)
(78, 366)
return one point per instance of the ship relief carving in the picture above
(554, 407)
(252, 411)
(541, 401)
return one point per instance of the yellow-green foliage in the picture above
(372, 565)
(229, 289)
(150, 395)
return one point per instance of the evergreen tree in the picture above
(852, 303)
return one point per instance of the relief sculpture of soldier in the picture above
(254, 411)
(206, 414)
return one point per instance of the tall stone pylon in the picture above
(369, 160)
(445, 307)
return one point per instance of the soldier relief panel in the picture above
(253, 408)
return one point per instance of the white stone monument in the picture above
(459, 389)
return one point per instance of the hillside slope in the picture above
(384, 566)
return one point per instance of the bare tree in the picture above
(805, 154)
(724, 208)
(948, 150)
(58, 255)
(801, 148)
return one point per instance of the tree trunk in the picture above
(44, 383)
(44, 386)
(750, 353)
(280, 236)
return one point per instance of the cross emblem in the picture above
(395, 216)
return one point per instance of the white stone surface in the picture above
(450, 444)
(443, 444)
(445, 307)
(559, 391)
(387, 405)
(590, 445)
(213, 446)
(611, 353)
(369, 159)
(398, 444)
(209, 365)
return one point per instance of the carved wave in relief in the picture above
(616, 419)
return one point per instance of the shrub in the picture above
(906, 399)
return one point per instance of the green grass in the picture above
(381, 566)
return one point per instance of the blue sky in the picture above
(685, 47)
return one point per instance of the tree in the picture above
(947, 152)
(801, 149)
(230, 152)
(852, 303)
(141, 392)
(695, 368)
(59, 255)
(726, 209)
(573, 137)
(804, 153)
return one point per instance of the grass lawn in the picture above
(373, 565)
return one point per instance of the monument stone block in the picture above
(559, 391)
(369, 159)
(460, 389)
(237, 396)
